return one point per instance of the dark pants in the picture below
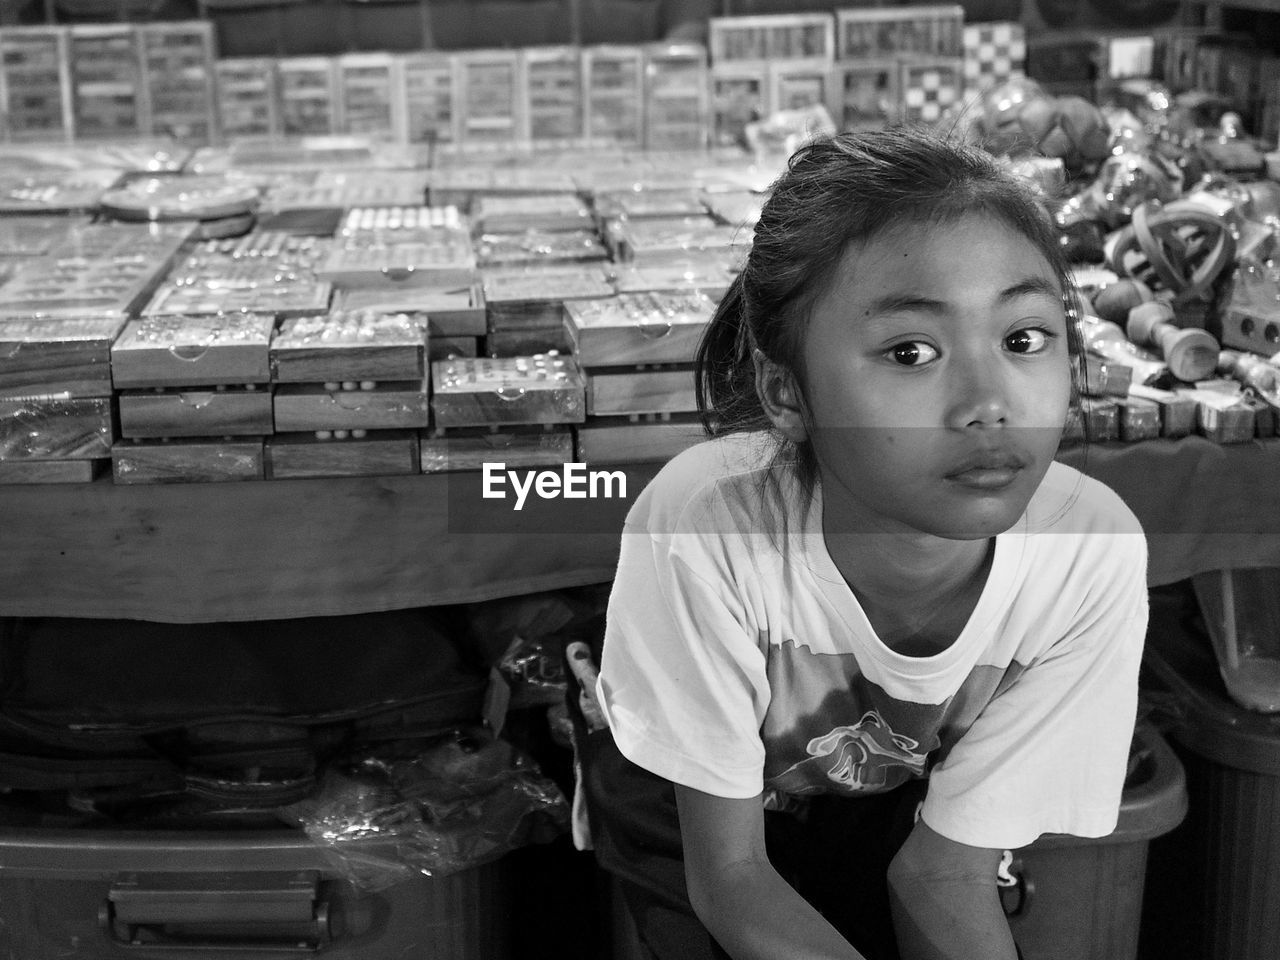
(836, 854)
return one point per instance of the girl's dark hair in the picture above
(837, 191)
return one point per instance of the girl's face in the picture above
(937, 380)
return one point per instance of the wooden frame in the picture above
(307, 96)
(429, 98)
(370, 100)
(552, 82)
(798, 37)
(177, 62)
(48, 47)
(677, 101)
(107, 85)
(900, 31)
(613, 95)
(490, 98)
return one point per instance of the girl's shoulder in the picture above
(1071, 502)
(730, 477)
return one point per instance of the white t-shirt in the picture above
(738, 662)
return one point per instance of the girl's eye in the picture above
(1029, 340)
(913, 353)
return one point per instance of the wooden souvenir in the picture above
(1250, 329)
(382, 453)
(54, 191)
(470, 448)
(740, 94)
(677, 103)
(552, 85)
(1221, 417)
(178, 75)
(50, 471)
(56, 428)
(187, 461)
(663, 389)
(537, 389)
(808, 37)
(456, 312)
(709, 274)
(248, 103)
(1191, 354)
(490, 98)
(346, 189)
(929, 87)
(429, 88)
(235, 412)
(637, 439)
(367, 405)
(795, 86)
(613, 81)
(1265, 416)
(518, 299)
(35, 78)
(1139, 419)
(1177, 412)
(358, 345)
(677, 238)
(369, 101)
(141, 199)
(1101, 419)
(551, 211)
(1106, 378)
(866, 94)
(863, 33)
(444, 262)
(307, 88)
(994, 53)
(98, 270)
(533, 247)
(525, 341)
(107, 95)
(69, 356)
(639, 204)
(639, 328)
(180, 351)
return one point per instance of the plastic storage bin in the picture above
(98, 894)
(1241, 609)
(1221, 881)
(1077, 898)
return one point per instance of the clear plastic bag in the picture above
(465, 800)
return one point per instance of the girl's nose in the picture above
(979, 396)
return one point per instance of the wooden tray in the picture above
(639, 328)
(180, 351)
(458, 312)
(357, 345)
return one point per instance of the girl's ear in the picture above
(780, 397)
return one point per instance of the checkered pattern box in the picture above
(900, 31)
(35, 83)
(993, 53)
(930, 85)
(800, 37)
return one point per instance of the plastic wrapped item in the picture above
(466, 800)
(1124, 182)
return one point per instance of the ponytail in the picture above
(724, 371)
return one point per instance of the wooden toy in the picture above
(380, 453)
(673, 239)
(443, 259)
(50, 427)
(639, 328)
(70, 356)
(470, 448)
(178, 80)
(994, 53)
(35, 83)
(808, 37)
(709, 274)
(551, 212)
(863, 33)
(366, 405)
(538, 247)
(369, 100)
(1139, 419)
(1260, 377)
(107, 94)
(637, 439)
(520, 299)
(1222, 416)
(677, 106)
(33, 236)
(248, 104)
(1192, 354)
(552, 85)
(445, 348)
(187, 461)
(428, 91)
(929, 86)
(637, 204)
(307, 88)
(490, 98)
(241, 411)
(1177, 413)
(1106, 378)
(458, 312)
(544, 388)
(180, 351)
(1101, 419)
(641, 389)
(342, 190)
(613, 94)
(355, 345)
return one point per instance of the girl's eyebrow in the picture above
(1032, 286)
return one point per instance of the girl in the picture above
(871, 635)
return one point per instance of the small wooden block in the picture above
(193, 351)
(195, 413)
(1139, 419)
(534, 247)
(188, 461)
(677, 238)
(636, 440)
(639, 204)
(1105, 378)
(56, 428)
(350, 345)
(1101, 419)
(50, 471)
(381, 453)
(536, 389)
(1264, 417)
(388, 406)
(1221, 418)
(470, 448)
(652, 390)
(709, 274)
(554, 212)
(639, 328)
(1177, 412)
(70, 355)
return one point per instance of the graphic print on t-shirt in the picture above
(858, 757)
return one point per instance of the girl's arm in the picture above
(746, 905)
(944, 900)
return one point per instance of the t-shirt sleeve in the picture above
(1049, 753)
(682, 678)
